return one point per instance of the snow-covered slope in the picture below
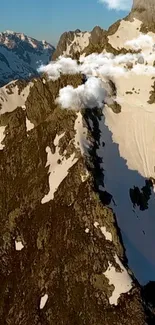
(21, 55)
(129, 154)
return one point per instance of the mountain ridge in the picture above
(61, 222)
(21, 55)
(72, 188)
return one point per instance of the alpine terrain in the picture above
(77, 175)
(20, 56)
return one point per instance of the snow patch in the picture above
(106, 233)
(29, 125)
(9, 102)
(43, 301)
(96, 224)
(133, 128)
(18, 245)
(127, 30)
(84, 176)
(57, 171)
(2, 136)
(79, 43)
(32, 42)
(81, 133)
(121, 281)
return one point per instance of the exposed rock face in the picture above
(61, 250)
(74, 44)
(20, 56)
(71, 43)
(144, 10)
(63, 260)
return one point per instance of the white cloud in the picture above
(141, 42)
(61, 66)
(141, 69)
(91, 94)
(102, 65)
(99, 68)
(124, 5)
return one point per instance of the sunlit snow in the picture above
(43, 301)
(18, 245)
(2, 136)
(29, 125)
(121, 281)
(57, 171)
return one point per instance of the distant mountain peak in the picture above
(12, 35)
(9, 32)
(20, 55)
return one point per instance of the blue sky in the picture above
(48, 19)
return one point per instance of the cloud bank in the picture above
(99, 68)
(107, 64)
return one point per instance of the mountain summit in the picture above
(77, 171)
(144, 11)
(20, 56)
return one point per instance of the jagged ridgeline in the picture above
(21, 55)
(76, 43)
(62, 256)
(70, 190)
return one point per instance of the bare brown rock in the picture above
(59, 257)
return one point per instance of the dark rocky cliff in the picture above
(64, 253)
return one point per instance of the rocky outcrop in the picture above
(61, 249)
(98, 39)
(75, 43)
(144, 11)
(71, 43)
(65, 39)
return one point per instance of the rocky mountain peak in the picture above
(11, 39)
(57, 233)
(70, 187)
(20, 55)
(144, 10)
